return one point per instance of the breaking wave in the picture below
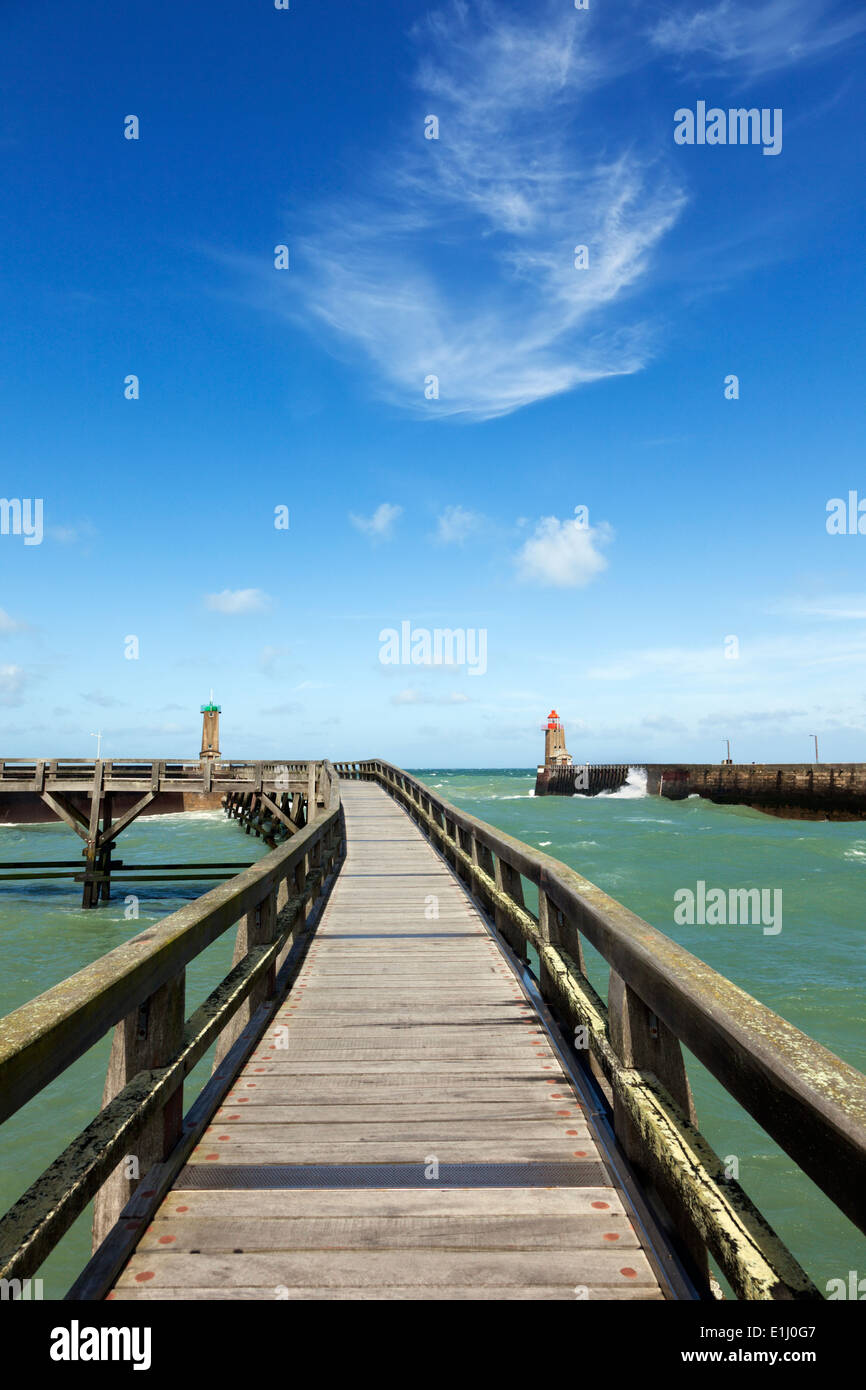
(634, 787)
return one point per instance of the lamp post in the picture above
(98, 738)
(815, 737)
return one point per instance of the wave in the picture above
(633, 787)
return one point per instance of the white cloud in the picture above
(842, 607)
(754, 36)
(418, 697)
(13, 681)
(238, 601)
(270, 659)
(456, 524)
(95, 697)
(457, 259)
(70, 535)
(563, 553)
(9, 624)
(381, 524)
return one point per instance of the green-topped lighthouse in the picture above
(210, 730)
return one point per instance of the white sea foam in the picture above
(634, 786)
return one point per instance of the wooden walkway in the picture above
(404, 1130)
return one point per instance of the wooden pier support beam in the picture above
(90, 891)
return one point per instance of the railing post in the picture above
(311, 793)
(508, 880)
(483, 860)
(548, 930)
(449, 841)
(642, 1041)
(256, 929)
(144, 1040)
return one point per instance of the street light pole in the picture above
(98, 738)
(815, 737)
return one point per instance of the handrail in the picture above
(809, 1100)
(139, 988)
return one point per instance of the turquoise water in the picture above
(45, 935)
(641, 850)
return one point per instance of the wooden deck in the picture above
(407, 1050)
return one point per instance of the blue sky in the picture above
(559, 387)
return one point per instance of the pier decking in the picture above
(405, 1128)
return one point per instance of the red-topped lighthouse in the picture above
(555, 752)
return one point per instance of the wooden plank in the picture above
(503, 1133)
(238, 1150)
(433, 1269)
(183, 1233)
(430, 1112)
(376, 1065)
(371, 1293)
(286, 1203)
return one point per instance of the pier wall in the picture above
(585, 779)
(807, 791)
(799, 791)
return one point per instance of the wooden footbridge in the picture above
(101, 799)
(416, 1092)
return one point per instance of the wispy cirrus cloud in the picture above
(753, 37)
(834, 607)
(791, 661)
(458, 260)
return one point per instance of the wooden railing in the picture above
(661, 999)
(138, 774)
(140, 1137)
